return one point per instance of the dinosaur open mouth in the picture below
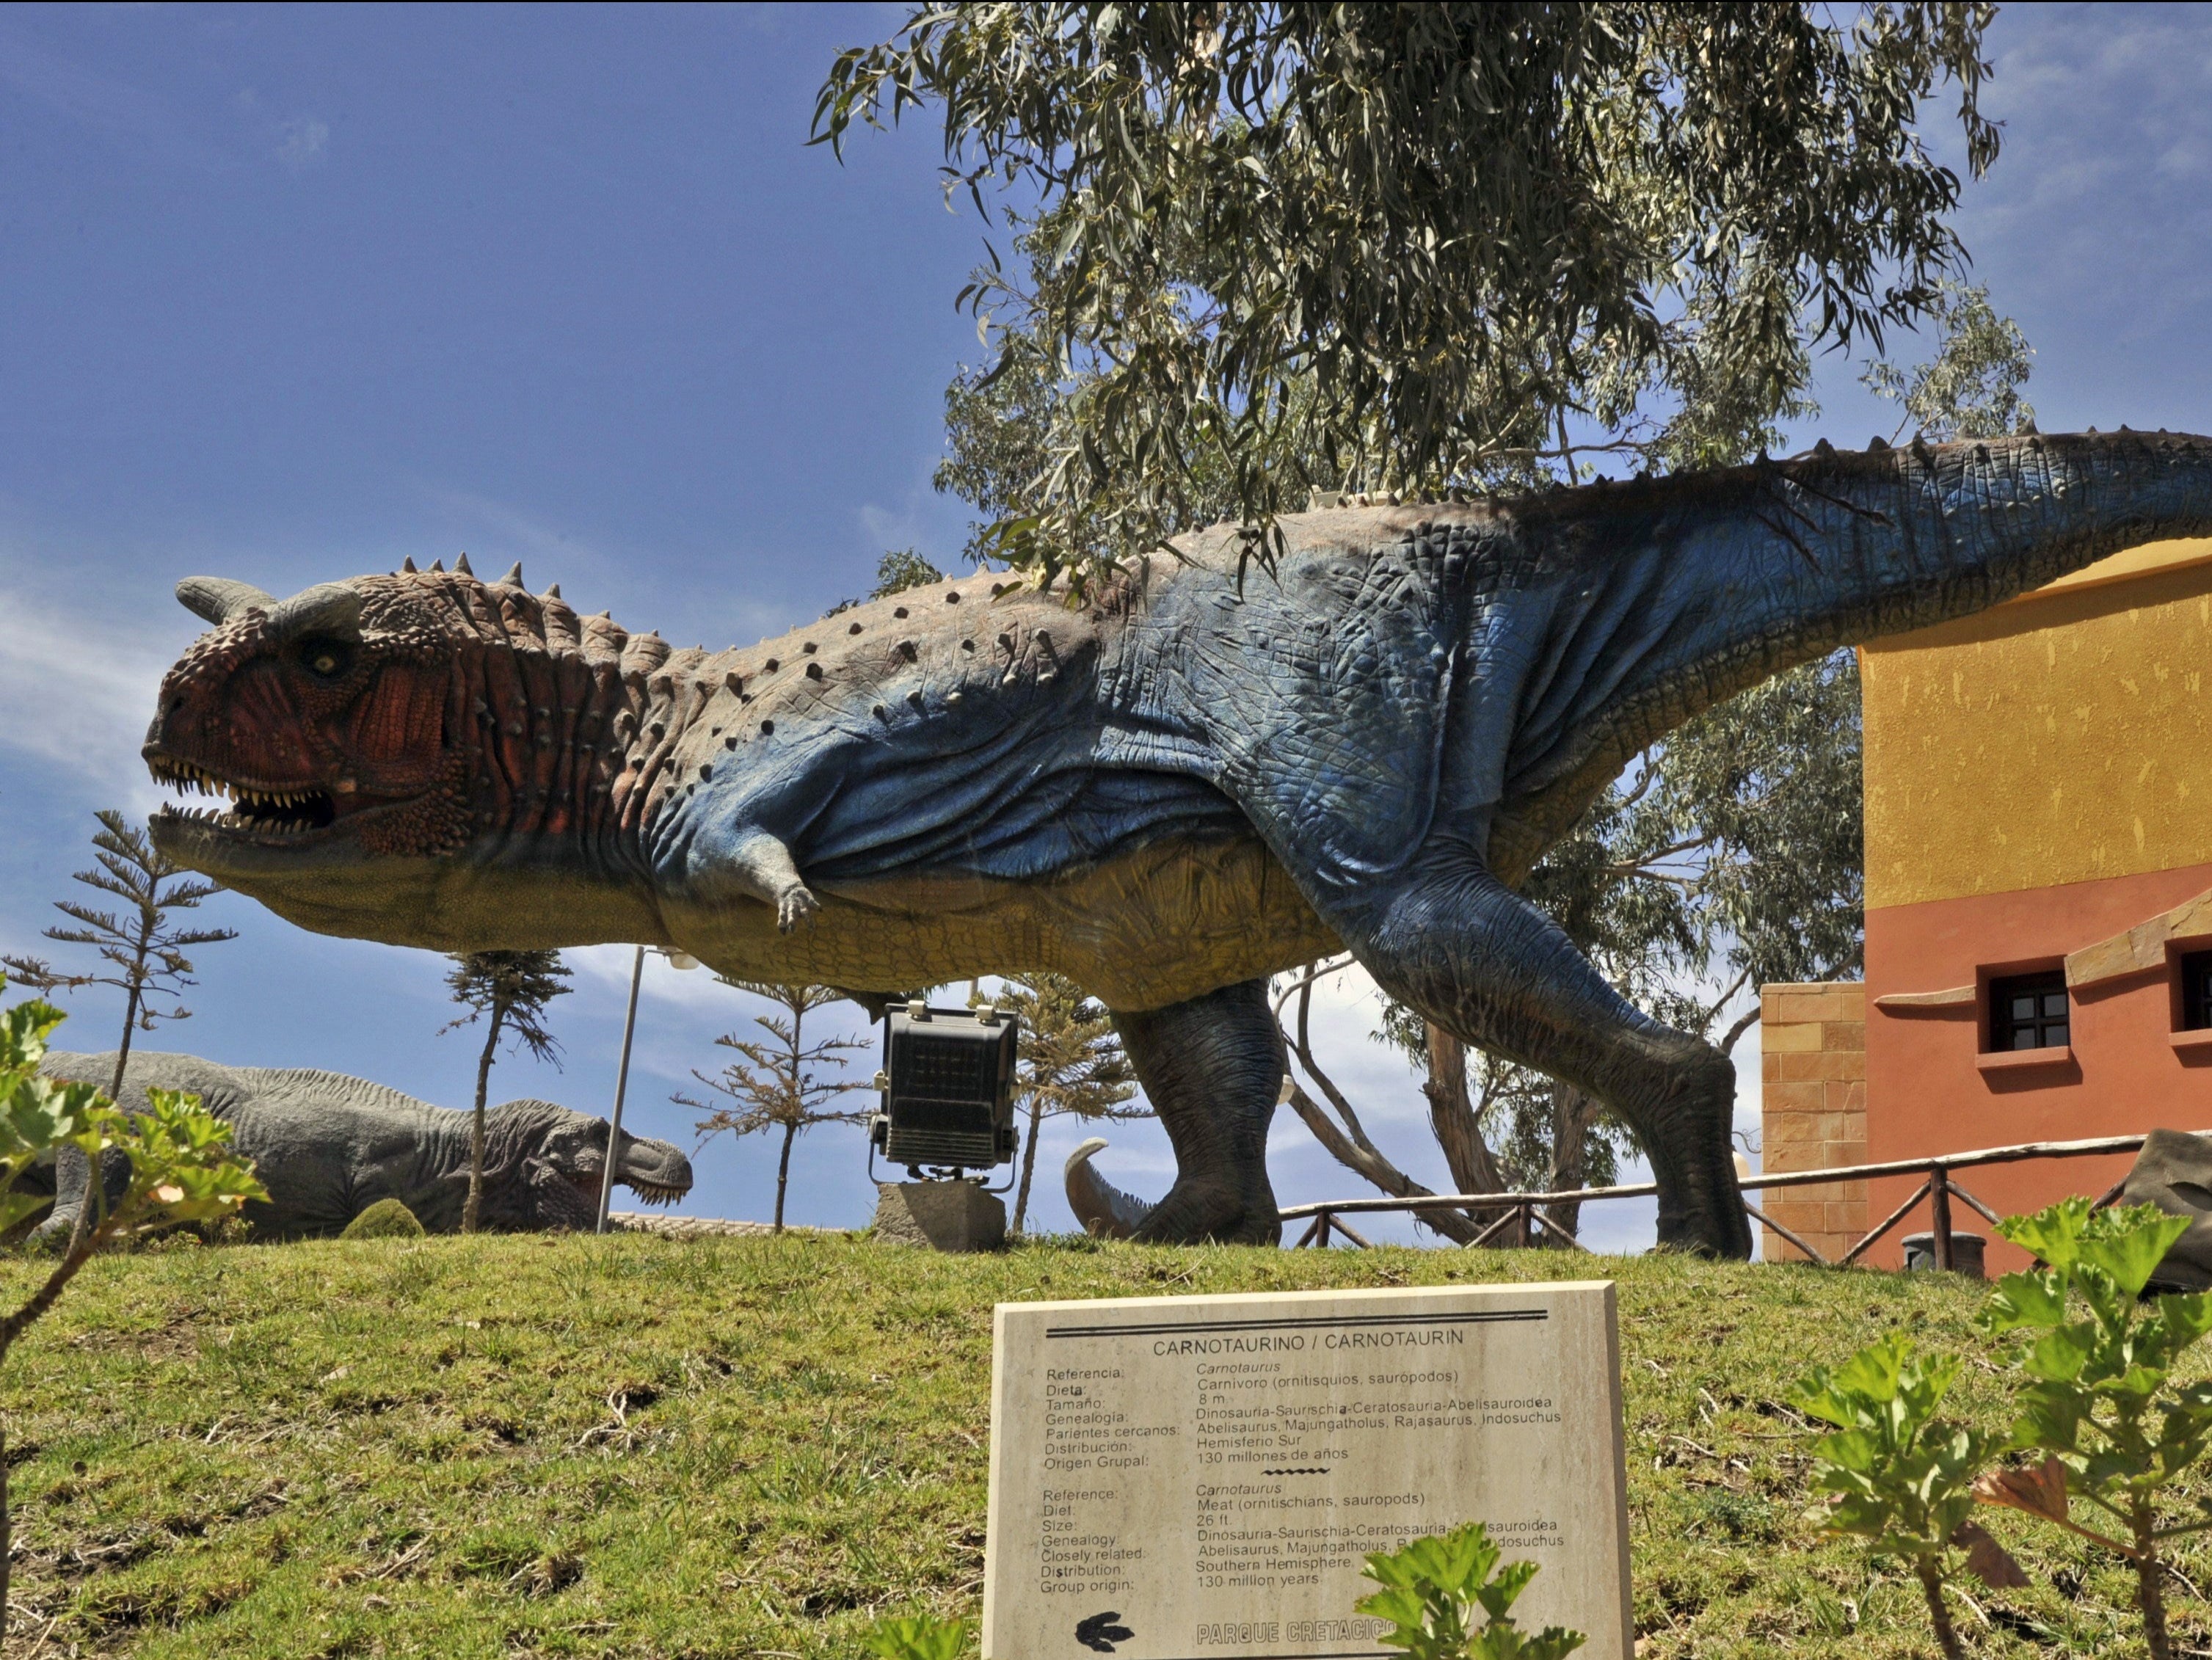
(649, 1193)
(260, 811)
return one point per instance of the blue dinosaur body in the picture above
(1196, 776)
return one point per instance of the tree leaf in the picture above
(2040, 1490)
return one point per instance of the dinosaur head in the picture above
(543, 1164)
(400, 753)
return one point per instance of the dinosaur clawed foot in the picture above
(1193, 1212)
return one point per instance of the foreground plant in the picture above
(917, 1637)
(1897, 1474)
(1435, 1588)
(182, 1169)
(2103, 1407)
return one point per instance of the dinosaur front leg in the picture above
(1212, 1068)
(1454, 942)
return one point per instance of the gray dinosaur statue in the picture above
(1196, 777)
(327, 1147)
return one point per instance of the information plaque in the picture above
(1202, 1478)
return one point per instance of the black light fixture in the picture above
(948, 1084)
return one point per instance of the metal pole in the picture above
(622, 1088)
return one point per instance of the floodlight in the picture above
(948, 1084)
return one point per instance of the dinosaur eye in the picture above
(326, 660)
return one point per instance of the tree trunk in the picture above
(7, 1537)
(1574, 1114)
(1931, 1586)
(474, 1207)
(1452, 1116)
(2150, 1591)
(95, 1173)
(1368, 1162)
(1029, 1159)
(783, 1173)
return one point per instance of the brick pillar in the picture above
(1812, 1072)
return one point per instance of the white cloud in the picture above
(79, 692)
(302, 142)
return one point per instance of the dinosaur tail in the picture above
(1103, 1209)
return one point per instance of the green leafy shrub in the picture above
(387, 1218)
(2102, 1406)
(182, 1169)
(1434, 1588)
(917, 1637)
(1897, 1474)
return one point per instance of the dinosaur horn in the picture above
(407, 564)
(327, 608)
(461, 565)
(513, 577)
(217, 599)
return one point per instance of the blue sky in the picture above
(288, 292)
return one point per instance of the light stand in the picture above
(678, 960)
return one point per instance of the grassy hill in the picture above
(679, 1450)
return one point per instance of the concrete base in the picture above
(953, 1216)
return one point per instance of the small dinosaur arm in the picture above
(327, 1147)
(1193, 778)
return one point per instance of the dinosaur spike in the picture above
(461, 567)
(513, 577)
(439, 566)
(553, 593)
(407, 565)
(1876, 445)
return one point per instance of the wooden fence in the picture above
(1939, 1189)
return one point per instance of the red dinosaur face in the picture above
(324, 719)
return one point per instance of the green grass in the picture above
(641, 1447)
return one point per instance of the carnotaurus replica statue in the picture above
(1198, 778)
(327, 1147)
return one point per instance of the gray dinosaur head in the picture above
(543, 1164)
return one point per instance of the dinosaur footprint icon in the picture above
(1102, 1631)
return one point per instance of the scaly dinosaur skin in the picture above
(1166, 794)
(328, 1146)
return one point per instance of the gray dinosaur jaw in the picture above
(655, 1170)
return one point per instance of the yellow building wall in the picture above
(2004, 750)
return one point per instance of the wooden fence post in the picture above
(1939, 1213)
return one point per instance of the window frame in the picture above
(2002, 1028)
(2193, 988)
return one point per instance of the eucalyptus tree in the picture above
(1289, 246)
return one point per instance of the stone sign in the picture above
(1202, 1478)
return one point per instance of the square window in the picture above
(2030, 1012)
(2197, 991)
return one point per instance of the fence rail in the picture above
(1938, 1189)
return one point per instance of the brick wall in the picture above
(1812, 1074)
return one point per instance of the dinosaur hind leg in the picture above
(1212, 1068)
(1456, 943)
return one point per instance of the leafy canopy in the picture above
(1398, 246)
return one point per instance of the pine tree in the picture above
(778, 1086)
(512, 988)
(145, 952)
(1070, 1062)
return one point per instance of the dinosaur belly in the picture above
(1170, 922)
